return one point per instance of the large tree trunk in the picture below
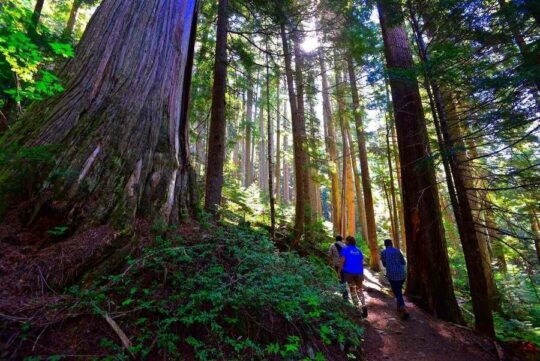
(364, 167)
(429, 282)
(481, 280)
(216, 137)
(119, 132)
(70, 26)
(331, 148)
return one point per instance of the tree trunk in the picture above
(249, 126)
(286, 172)
(122, 131)
(364, 167)
(70, 26)
(263, 179)
(348, 214)
(269, 152)
(278, 144)
(479, 271)
(535, 229)
(359, 195)
(331, 149)
(36, 15)
(395, 233)
(299, 136)
(429, 282)
(218, 123)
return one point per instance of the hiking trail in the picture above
(422, 337)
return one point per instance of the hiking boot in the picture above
(403, 314)
(364, 312)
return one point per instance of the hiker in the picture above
(351, 263)
(394, 262)
(334, 253)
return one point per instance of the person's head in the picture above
(351, 241)
(388, 243)
(339, 238)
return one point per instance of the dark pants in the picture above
(397, 289)
(343, 284)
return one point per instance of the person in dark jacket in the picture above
(394, 262)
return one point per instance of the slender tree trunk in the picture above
(299, 137)
(263, 179)
(429, 282)
(535, 229)
(278, 144)
(122, 131)
(36, 15)
(270, 176)
(331, 148)
(359, 195)
(394, 213)
(347, 199)
(364, 166)
(249, 126)
(286, 172)
(70, 26)
(218, 123)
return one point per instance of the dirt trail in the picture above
(421, 338)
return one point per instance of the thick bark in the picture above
(119, 128)
(218, 123)
(429, 282)
(478, 268)
(70, 25)
(300, 134)
(364, 167)
(331, 148)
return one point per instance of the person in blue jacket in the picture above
(351, 262)
(394, 262)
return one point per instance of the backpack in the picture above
(338, 247)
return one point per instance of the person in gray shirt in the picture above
(334, 254)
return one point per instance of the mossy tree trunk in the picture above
(119, 128)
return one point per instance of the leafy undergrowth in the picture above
(226, 295)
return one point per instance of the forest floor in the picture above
(422, 337)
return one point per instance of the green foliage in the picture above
(231, 295)
(24, 59)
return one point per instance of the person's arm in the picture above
(341, 263)
(402, 259)
(383, 259)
